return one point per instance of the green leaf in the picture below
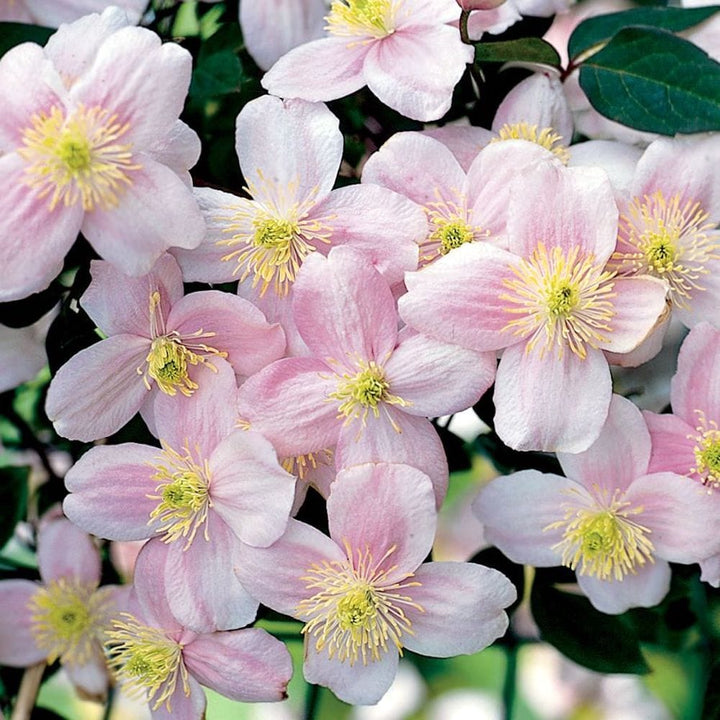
(12, 34)
(598, 30)
(525, 50)
(216, 74)
(604, 643)
(651, 80)
(14, 483)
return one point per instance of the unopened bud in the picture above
(469, 5)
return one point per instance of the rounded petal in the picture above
(672, 444)
(617, 159)
(463, 609)
(550, 403)
(66, 551)
(17, 645)
(646, 588)
(518, 510)
(245, 665)
(113, 391)
(384, 508)
(109, 487)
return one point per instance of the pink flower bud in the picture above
(468, 5)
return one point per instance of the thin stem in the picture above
(311, 701)
(109, 703)
(509, 686)
(27, 695)
(464, 15)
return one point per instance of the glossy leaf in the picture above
(14, 482)
(651, 80)
(533, 51)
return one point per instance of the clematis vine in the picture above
(612, 520)
(90, 142)
(157, 338)
(364, 593)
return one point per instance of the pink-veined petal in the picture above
(549, 403)
(91, 678)
(66, 551)
(463, 141)
(672, 444)
(17, 644)
(245, 665)
(463, 608)
(183, 705)
(112, 389)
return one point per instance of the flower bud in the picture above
(468, 5)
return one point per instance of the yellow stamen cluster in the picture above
(146, 661)
(275, 236)
(363, 393)
(545, 137)
(562, 300)
(372, 19)
(356, 612)
(77, 158)
(67, 618)
(451, 228)
(171, 354)
(183, 495)
(600, 537)
(707, 451)
(669, 239)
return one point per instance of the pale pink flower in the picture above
(498, 17)
(272, 27)
(157, 339)
(290, 153)
(687, 441)
(612, 520)
(210, 488)
(364, 387)
(548, 302)
(364, 594)
(155, 656)
(461, 206)
(90, 142)
(52, 13)
(22, 352)
(65, 616)
(403, 50)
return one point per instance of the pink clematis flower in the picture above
(22, 352)
(209, 489)
(156, 340)
(612, 520)
(548, 302)
(290, 153)
(52, 13)
(64, 617)
(364, 594)
(90, 142)
(687, 441)
(365, 387)
(403, 50)
(156, 657)
(273, 27)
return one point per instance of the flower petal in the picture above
(17, 644)
(65, 551)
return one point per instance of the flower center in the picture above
(600, 537)
(667, 239)
(274, 236)
(66, 615)
(545, 137)
(77, 158)
(171, 354)
(356, 613)
(362, 393)
(562, 300)
(362, 18)
(183, 496)
(707, 451)
(147, 661)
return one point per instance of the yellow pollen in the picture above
(171, 354)
(364, 392)
(67, 619)
(302, 465)
(146, 661)
(274, 235)
(546, 137)
(365, 19)
(707, 451)
(562, 300)
(356, 612)
(600, 537)
(670, 240)
(183, 495)
(78, 158)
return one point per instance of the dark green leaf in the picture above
(219, 73)
(597, 30)
(711, 710)
(604, 643)
(14, 482)
(12, 34)
(525, 50)
(651, 80)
